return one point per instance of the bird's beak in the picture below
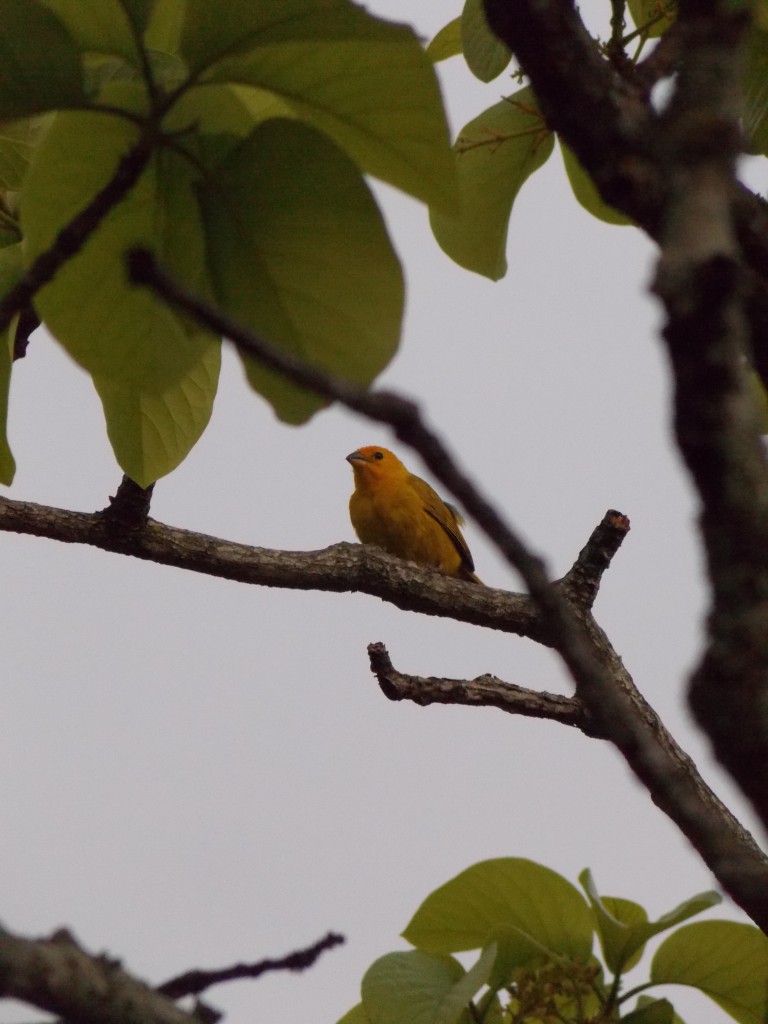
(356, 457)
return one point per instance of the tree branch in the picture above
(193, 983)
(342, 568)
(74, 235)
(706, 296)
(607, 119)
(620, 714)
(483, 691)
(582, 581)
(129, 508)
(56, 975)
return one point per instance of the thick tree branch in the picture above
(195, 982)
(341, 568)
(601, 114)
(706, 297)
(609, 122)
(56, 975)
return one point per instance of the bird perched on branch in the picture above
(402, 514)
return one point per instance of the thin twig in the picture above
(483, 691)
(193, 983)
(75, 234)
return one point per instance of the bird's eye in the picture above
(378, 455)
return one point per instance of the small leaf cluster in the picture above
(255, 122)
(536, 934)
(497, 151)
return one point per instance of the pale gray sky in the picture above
(195, 772)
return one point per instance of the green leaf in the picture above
(17, 142)
(411, 988)
(447, 42)
(356, 1015)
(755, 85)
(654, 1011)
(516, 949)
(299, 254)
(484, 52)
(496, 152)
(97, 26)
(624, 928)
(505, 893)
(40, 61)
(165, 26)
(585, 191)
(11, 269)
(644, 1001)
(219, 110)
(725, 960)
(622, 947)
(155, 372)
(454, 1005)
(365, 82)
(654, 16)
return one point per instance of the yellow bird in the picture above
(402, 514)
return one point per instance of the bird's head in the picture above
(374, 463)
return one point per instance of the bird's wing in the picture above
(446, 516)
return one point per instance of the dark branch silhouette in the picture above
(193, 983)
(74, 235)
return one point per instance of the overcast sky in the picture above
(195, 772)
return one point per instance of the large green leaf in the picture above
(624, 928)
(17, 142)
(506, 893)
(299, 254)
(496, 152)
(484, 52)
(98, 26)
(413, 988)
(40, 62)
(585, 191)
(166, 25)
(726, 960)
(652, 1011)
(365, 82)
(447, 42)
(221, 109)
(155, 372)
(11, 269)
